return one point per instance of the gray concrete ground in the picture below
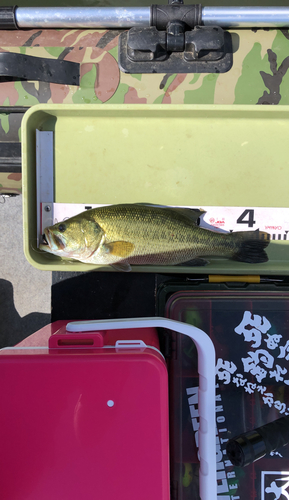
(25, 292)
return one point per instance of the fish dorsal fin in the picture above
(191, 213)
(122, 249)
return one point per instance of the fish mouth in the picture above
(51, 241)
(44, 240)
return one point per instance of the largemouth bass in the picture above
(121, 235)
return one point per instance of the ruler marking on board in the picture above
(274, 221)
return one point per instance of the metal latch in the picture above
(176, 43)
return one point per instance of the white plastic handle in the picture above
(206, 369)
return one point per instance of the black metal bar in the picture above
(10, 157)
(14, 109)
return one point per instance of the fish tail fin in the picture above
(250, 246)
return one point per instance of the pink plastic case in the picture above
(83, 419)
(88, 416)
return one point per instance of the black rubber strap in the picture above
(7, 18)
(26, 67)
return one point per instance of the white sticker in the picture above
(274, 221)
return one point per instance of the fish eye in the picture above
(62, 228)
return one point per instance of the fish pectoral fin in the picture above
(122, 266)
(121, 249)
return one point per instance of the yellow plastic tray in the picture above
(166, 154)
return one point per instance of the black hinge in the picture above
(175, 43)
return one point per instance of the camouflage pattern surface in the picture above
(259, 76)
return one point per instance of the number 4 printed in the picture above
(250, 221)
